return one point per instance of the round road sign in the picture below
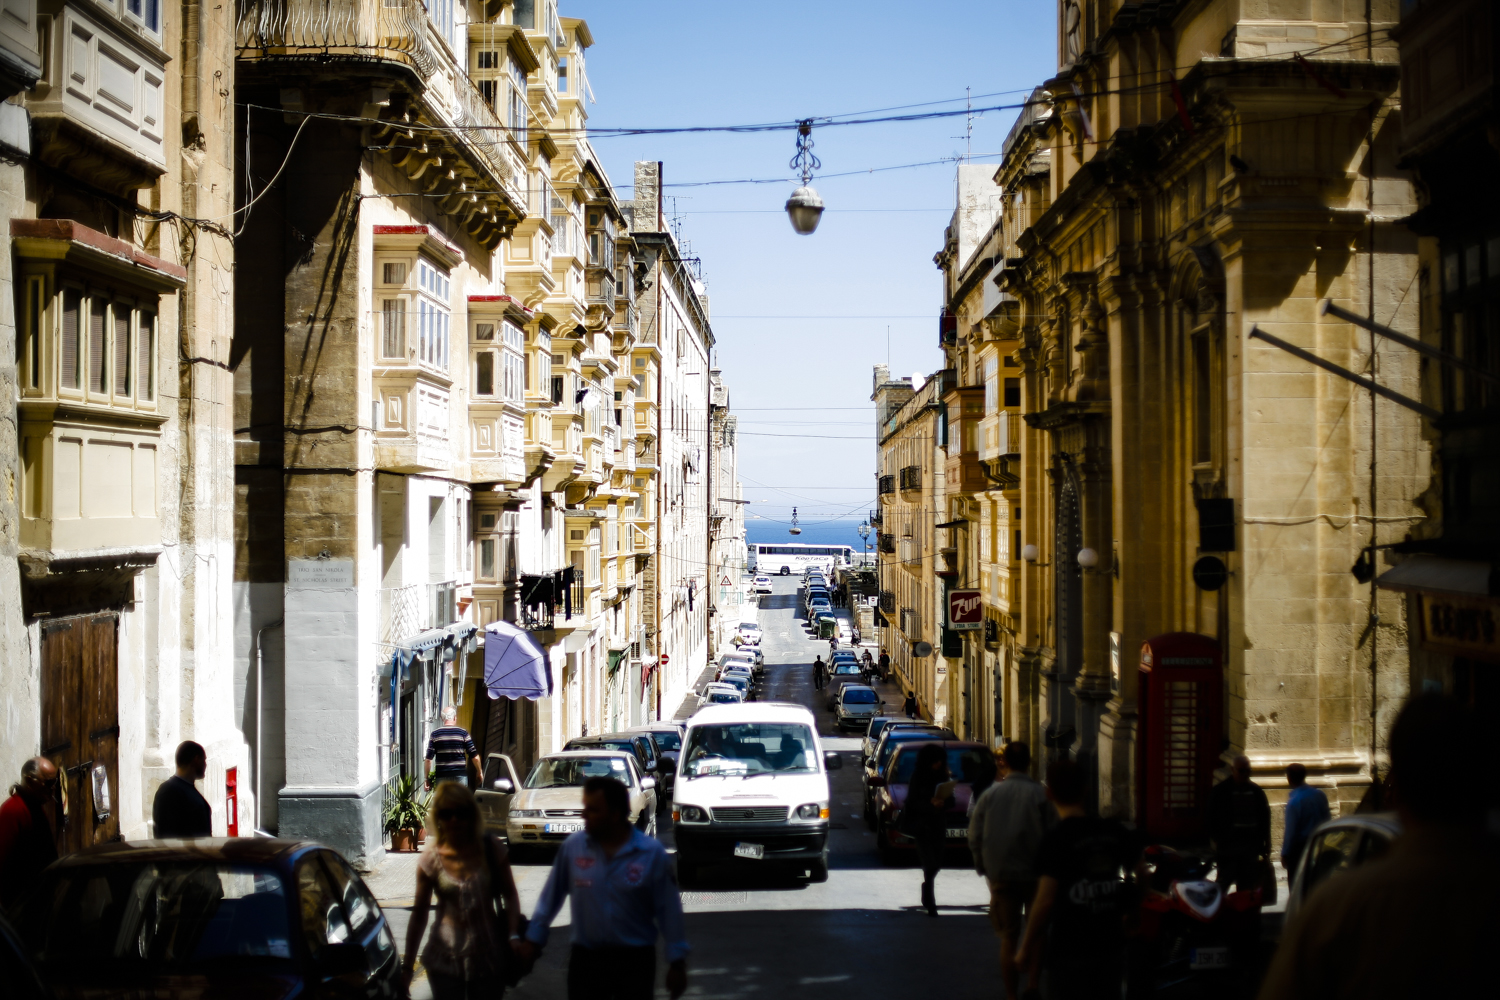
(1210, 573)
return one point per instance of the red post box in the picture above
(1182, 733)
(232, 800)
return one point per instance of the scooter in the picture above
(1193, 939)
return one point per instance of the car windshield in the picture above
(845, 667)
(167, 916)
(667, 739)
(964, 764)
(901, 738)
(724, 698)
(859, 696)
(571, 772)
(746, 748)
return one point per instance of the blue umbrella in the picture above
(514, 665)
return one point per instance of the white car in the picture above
(715, 693)
(762, 585)
(721, 818)
(548, 808)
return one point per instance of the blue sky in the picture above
(659, 63)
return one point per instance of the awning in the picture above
(615, 656)
(1427, 573)
(514, 665)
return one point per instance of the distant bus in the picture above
(786, 559)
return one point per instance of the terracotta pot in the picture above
(421, 835)
(402, 841)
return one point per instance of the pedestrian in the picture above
(28, 829)
(1420, 921)
(910, 706)
(1083, 895)
(469, 872)
(450, 751)
(623, 895)
(885, 665)
(1007, 823)
(1306, 807)
(1239, 827)
(179, 809)
(923, 817)
(818, 677)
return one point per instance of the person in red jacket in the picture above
(28, 829)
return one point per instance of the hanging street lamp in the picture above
(794, 530)
(804, 207)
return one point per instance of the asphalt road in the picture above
(860, 934)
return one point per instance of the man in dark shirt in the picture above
(450, 751)
(1239, 824)
(179, 810)
(1082, 896)
(28, 829)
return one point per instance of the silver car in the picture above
(856, 705)
(548, 808)
(1338, 846)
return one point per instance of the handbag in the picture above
(512, 968)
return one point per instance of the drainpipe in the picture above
(260, 713)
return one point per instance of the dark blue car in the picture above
(238, 918)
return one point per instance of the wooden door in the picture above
(81, 724)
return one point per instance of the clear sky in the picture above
(868, 268)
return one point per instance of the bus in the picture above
(787, 559)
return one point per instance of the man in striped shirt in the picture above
(450, 750)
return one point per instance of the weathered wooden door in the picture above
(81, 724)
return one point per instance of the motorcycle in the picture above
(1192, 938)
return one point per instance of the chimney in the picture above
(882, 376)
(648, 218)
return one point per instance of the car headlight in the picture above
(525, 813)
(811, 811)
(692, 814)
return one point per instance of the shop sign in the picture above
(1461, 626)
(965, 610)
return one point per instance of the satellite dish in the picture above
(921, 649)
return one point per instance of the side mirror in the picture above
(648, 783)
(665, 765)
(833, 760)
(344, 959)
(504, 786)
(876, 781)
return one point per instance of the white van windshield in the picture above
(750, 748)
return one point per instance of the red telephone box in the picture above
(232, 800)
(1182, 733)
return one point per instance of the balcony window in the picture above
(487, 559)
(513, 363)
(562, 76)
(146, 13)
(484, 373)
(105, 346)
(432, 315)
(393, 328)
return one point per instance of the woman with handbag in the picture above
(470, 953)
(922, 817)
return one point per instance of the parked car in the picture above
(496, 789)
(855, 706)
(762, 585)
(633, 743)
(873, 730)
(667, 736)
(739, 680)
(719, 694)
(750, 631)
(892, 738)
(842, 672)
(241, 917)
(21, 978)
(966, 761)
(1338, 846)
(750, 648)
(821, 604)
(549, 806)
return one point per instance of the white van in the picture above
(720, 817)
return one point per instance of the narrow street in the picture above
(860, 934)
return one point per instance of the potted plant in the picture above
(405, 813)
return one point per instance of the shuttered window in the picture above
(98, 359)
(145, 370)
(122, 350)
(71, 330)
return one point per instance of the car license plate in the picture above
(756, 851)
(1209, 958)
(562, 827)
(958, 831)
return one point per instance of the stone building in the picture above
(1446, 569)
(676, 346)
(728, 554)
(115, 520)
(1151, 219)
(910, 471)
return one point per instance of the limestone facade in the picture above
(116, 320)
(1152, 218)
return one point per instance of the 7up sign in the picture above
(965, 609)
